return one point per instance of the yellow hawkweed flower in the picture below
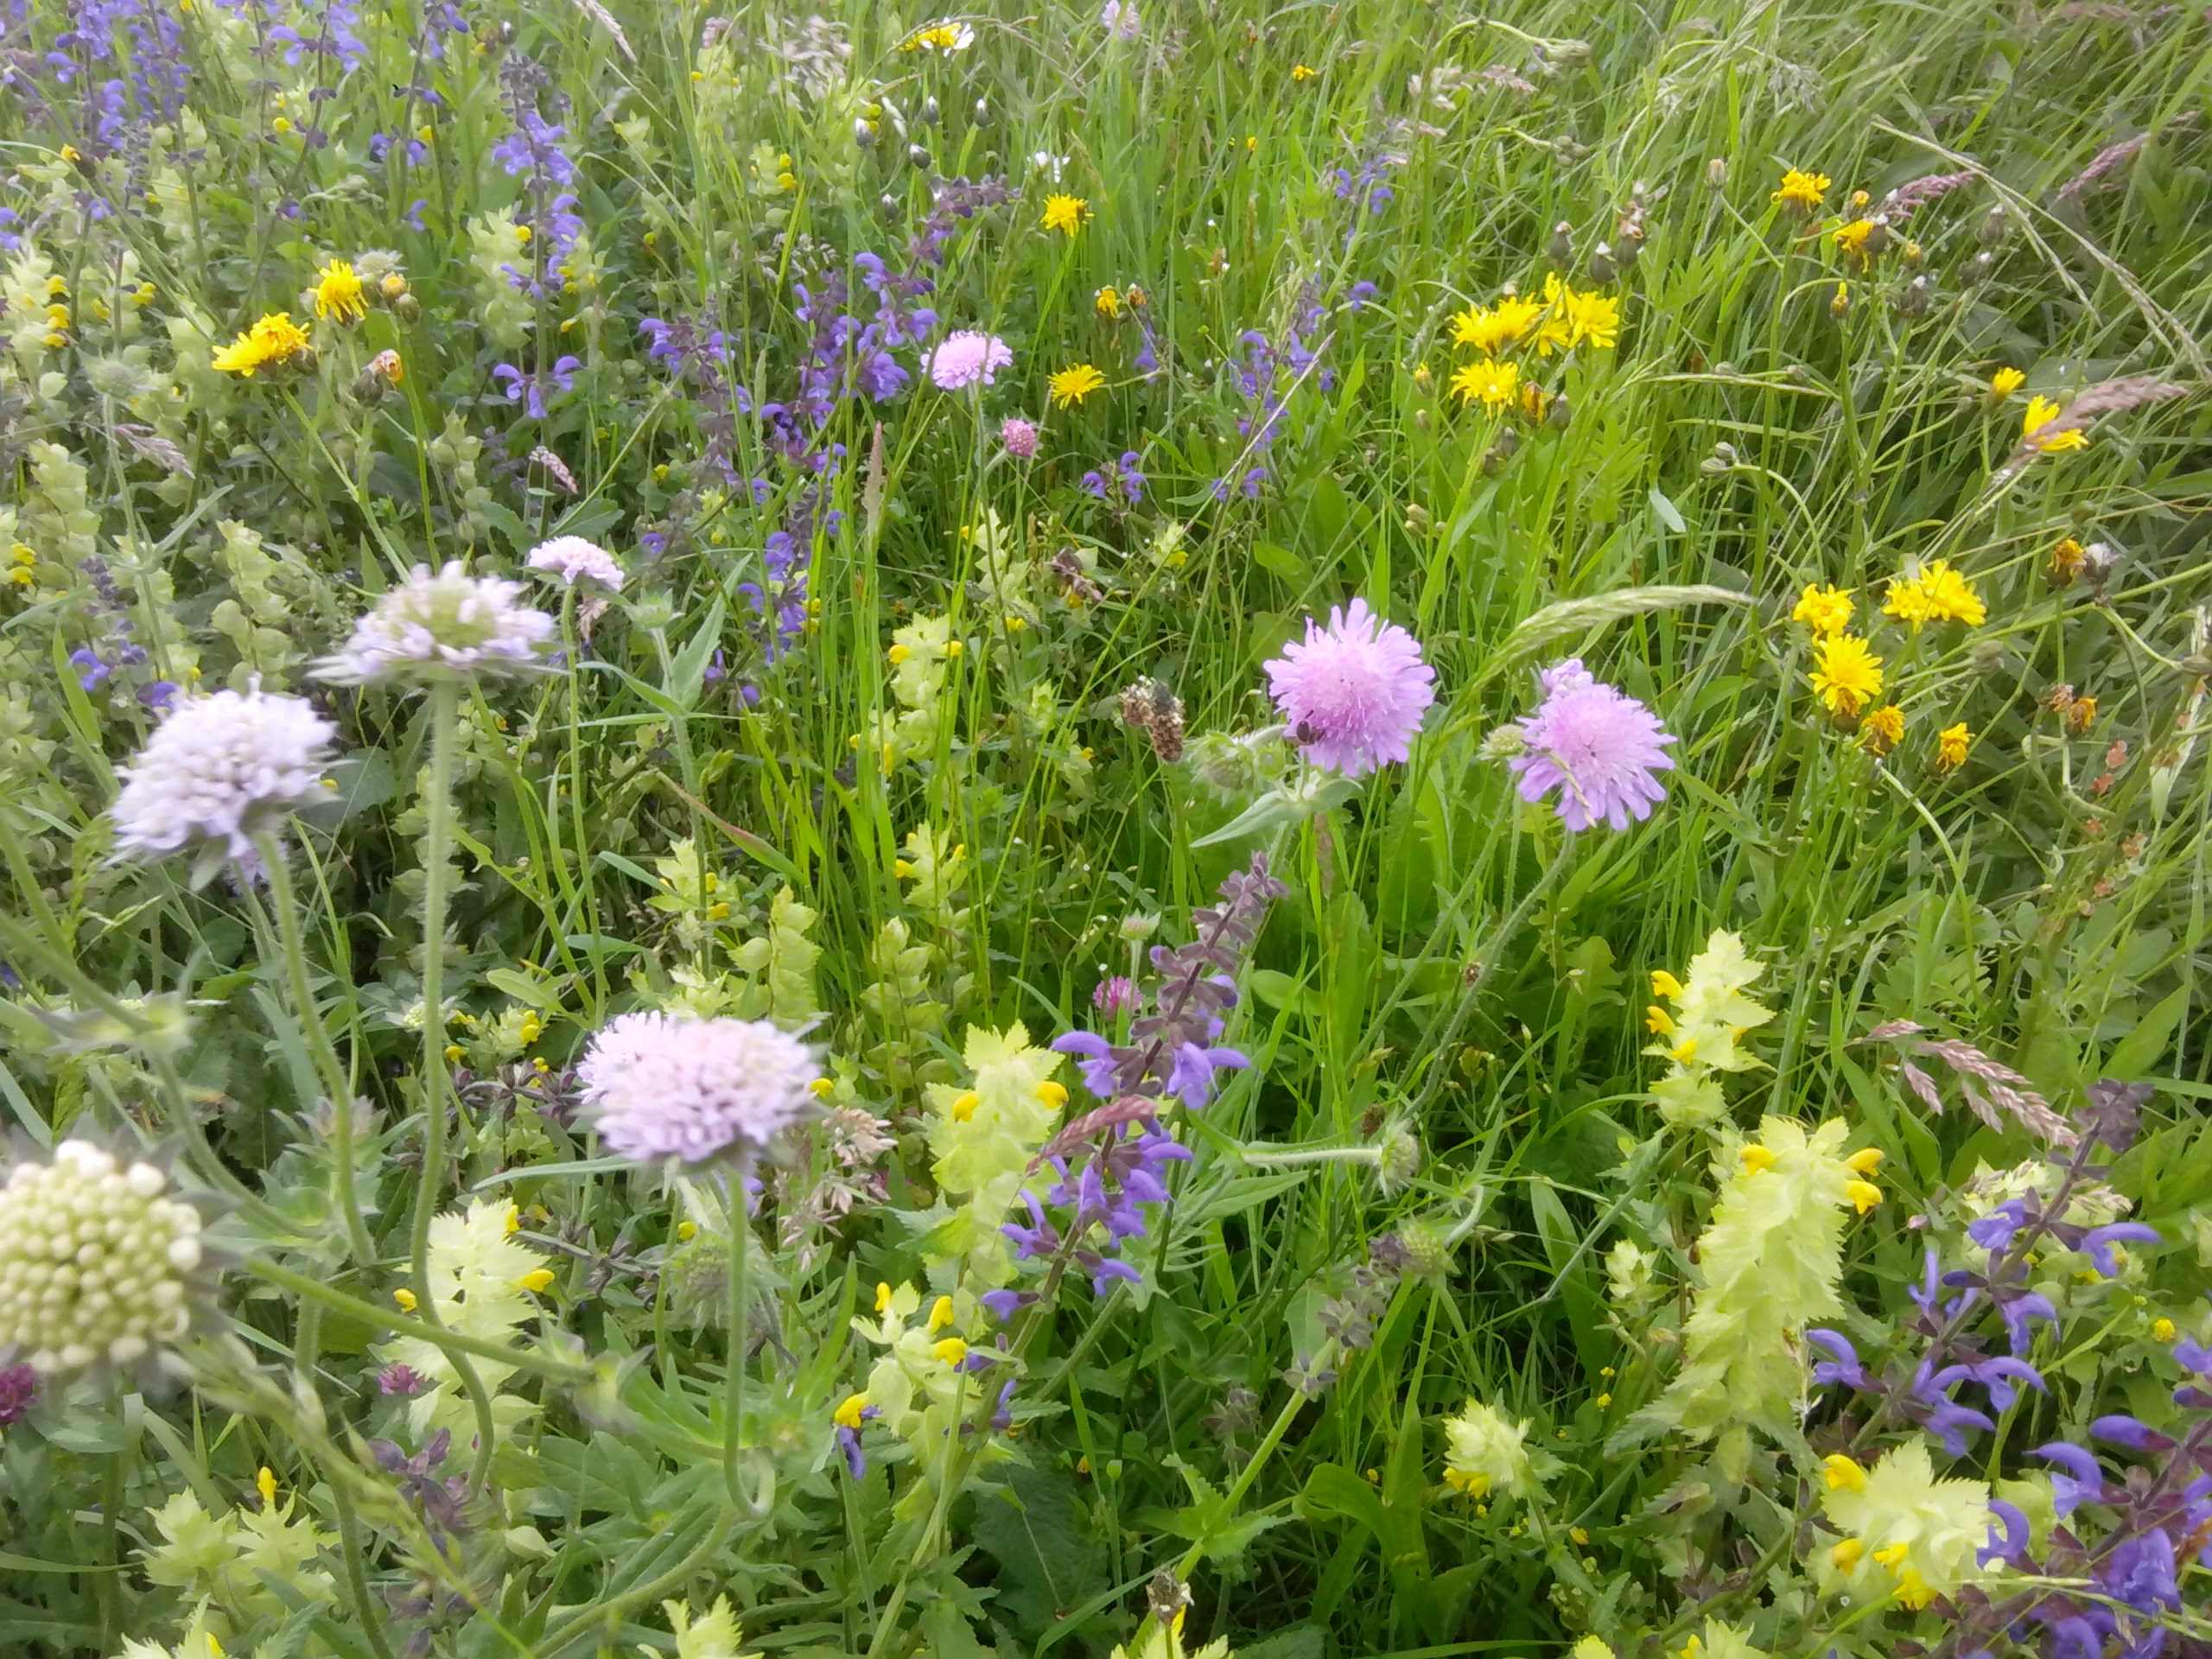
(940, 1314)
(1846, 675)
(1951, 747)
(1840, 305)
(338, 293)
(939, 37)
(2067, 560)
(1851, 239)
(1882, 729)
(1301, 73)
(848, 1415)
(1494, 382)
(1591, 319)
(1843, 1473)
(2041, 412)
(1108, 302)
(275, 339)
(1935, 592)
(1072, 386)
(1824, 610)
(2005, 382)
(1803, 192)
(1065, 214)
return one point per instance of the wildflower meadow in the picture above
(1123, 831)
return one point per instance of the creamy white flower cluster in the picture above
(94, 1261)
(446, 627)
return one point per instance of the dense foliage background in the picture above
(849, 750)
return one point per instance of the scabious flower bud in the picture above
(95, 1264)
(446, 627)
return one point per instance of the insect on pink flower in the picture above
(1599, 746)
(968, 358)
(1352, 692)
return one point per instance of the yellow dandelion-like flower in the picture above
(1065, 214)
(2005, 382)
(1072, 386)
(2067, 560)
(1881, 730)
(1824, 610)
(1851, 237)
(2041, 412)
(1494, 382)
(338, 293)
(939, 38)
(1803, 192)
(275, 339)
(1936, 593)
(1535, 402)
(1846, 674)
(1108, 302)
(1591, 319)
(1951, 747)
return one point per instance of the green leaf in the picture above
(1279, 807)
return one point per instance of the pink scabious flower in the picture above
(1117, 996)
(663, 1086)
(1352, 692)
(1599, 746)
(1020, 437)
(572, 559)
(968, 358)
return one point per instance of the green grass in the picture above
(2045, 902)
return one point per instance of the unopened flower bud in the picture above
(1560, 248)
(1503, 742)
(931, 113)
(1995, 224)
(863, 133)
(1602, 270)
(982, 115)
(1716, 173)
(1136, 927)
(1560, 414)
(917, 156)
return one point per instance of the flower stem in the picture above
(335, 1082)
(437, 807)
(739, 1312)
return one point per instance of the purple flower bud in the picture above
(2136, 1435)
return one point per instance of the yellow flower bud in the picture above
(405, 1297)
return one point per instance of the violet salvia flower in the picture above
(665, 1087)
(573, 559)
(1599, 746)
(1843, 1364)
(968, 358)
(1352, 692)
(2130, 1432)
(2098, 1244)
(450, 626)
(219, 772)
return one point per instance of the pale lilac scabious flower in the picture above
(1119, 19)
(1020, 437)
(448, 627)
(1352, 692)
(572, 558)
(1599, 746)
(219, 772)
(968, 358)
(663, 1086)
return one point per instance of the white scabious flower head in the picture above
(573, 559)
(448, 627)
(97, 1266)
(218, 772)
(668, 1087)
(1904, 1530)
(1486, 1455)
